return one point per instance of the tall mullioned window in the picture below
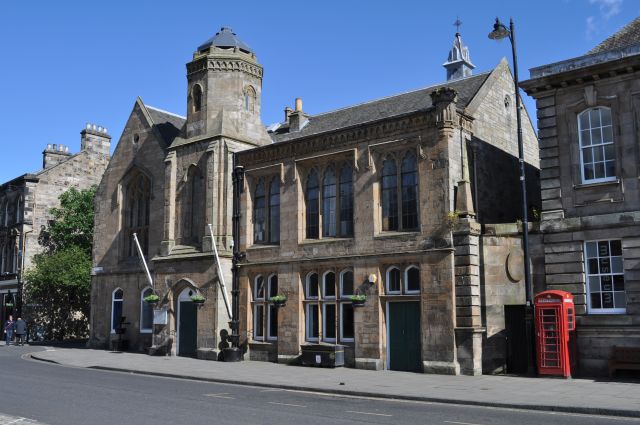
(597, 150)
(335, 196)
(266, 211)
(265, 314)
(117, 298)
(399, 195)
(136, 212)
(146, 312)
(328, 308)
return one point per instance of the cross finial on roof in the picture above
(457, 24)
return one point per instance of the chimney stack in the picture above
(54, 154)
(95, 139)
(297, 119)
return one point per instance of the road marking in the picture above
(220, 395)
(459, 423)
(272, 390)
(285, 404)
(369, 413)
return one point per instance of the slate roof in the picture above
(168, 124)
(383, 108)
(628, 35)
(226, 38)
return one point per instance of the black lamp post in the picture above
(499, 32)
(234, 353)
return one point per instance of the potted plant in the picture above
(152, 299)
(279, 300)
(358, 300)
(198, 299)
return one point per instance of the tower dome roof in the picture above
(226, 39)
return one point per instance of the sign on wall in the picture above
(160, 316)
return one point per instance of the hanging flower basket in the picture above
(152, 299)
(358, 300)
(198, 299)
(278, 301)
(9, 305)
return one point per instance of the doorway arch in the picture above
(186, 324)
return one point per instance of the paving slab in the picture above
(550, 394)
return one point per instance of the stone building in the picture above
(410, 200)
(25, 203)
(168, 180)
(588, 115)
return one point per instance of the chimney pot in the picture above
(298, 104)
(48, 146)
(94, 127)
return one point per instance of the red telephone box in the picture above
(555, 318)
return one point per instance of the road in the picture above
(33, 392)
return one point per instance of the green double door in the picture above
(404, 336)
(188, 329)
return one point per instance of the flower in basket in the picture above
(9, 305)
(279, 299)
(152, 299)
(197, 298)
(358, 300)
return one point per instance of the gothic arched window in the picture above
(249, 99)
(266, 212)
(389, 194)
(136, 212)
(196, 97)
(259, 208)
(117, 298)
(329, 203)
(312, 193)
(193, 207)
(409, 181)
(346, 201)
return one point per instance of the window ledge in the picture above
(597, 184)
(325, 240)
(263, 343)
(258, 247)
(385, 235)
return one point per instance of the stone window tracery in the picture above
(266, 211)
(136, 212)
(336, 199)
(399, 197)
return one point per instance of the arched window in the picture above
(393, 280)
(193, 207)
(19, 209)
(259, 299)
(312, 286)
(259, 213)
(274, 211)
(136, 212)
(389, 195)
(329, 285)
(409, 192)
(412, 280)
(346, 283)
(146, 311)
(3, 258)
(346, 201)
(312, 208)
(266, 212)
(249, 99)
(597, 150)
(117, 298)
(329, 203)
(196, 96)
(259, 289)
(272, 316)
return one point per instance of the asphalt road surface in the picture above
(33, 392)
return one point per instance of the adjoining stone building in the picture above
(168, 180)
(25, 203)
(588, 116)
(406, 200)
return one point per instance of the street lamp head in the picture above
(499, 31)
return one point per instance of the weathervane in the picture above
(457, 24)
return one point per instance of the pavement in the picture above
(587, 396)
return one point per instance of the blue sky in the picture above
(67, 63)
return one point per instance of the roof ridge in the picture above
(165, 112)
(400, 94)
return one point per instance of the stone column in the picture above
(469, 330)
(169, 203)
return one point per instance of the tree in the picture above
(58, 286)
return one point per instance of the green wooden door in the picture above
(404, 336)
(188, 329)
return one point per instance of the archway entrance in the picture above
(187, 334)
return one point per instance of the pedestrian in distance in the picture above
(8, 329)
(20, 328)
